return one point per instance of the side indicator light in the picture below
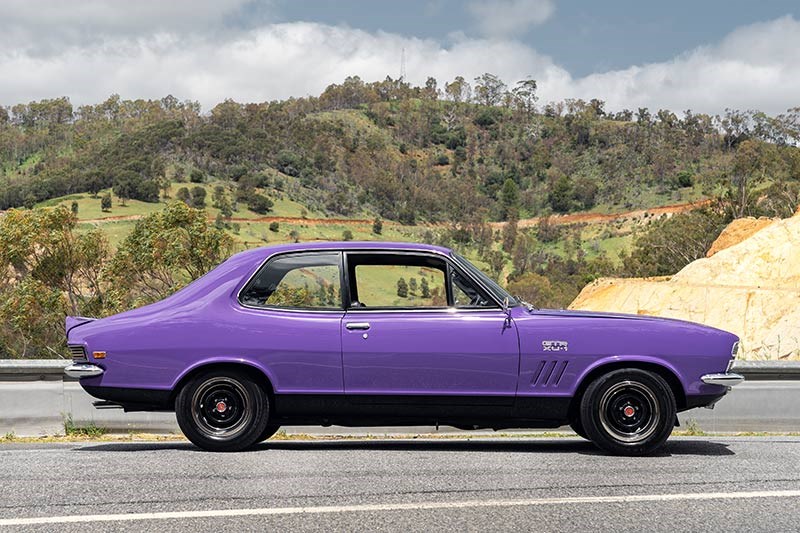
(99, 355)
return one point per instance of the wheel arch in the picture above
(668, 374)
(258, 374)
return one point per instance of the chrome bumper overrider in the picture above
(83, 370)
(728, 379)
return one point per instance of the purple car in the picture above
(364, 334)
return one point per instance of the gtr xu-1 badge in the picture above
(555, 346)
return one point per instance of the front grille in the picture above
(78, 354)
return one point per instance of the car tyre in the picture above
(222, 411)
(268, 432)
(577, 427)
(628, 412)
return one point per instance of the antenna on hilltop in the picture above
(403, 65)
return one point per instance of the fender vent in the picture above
(78, 354)
(548, 373)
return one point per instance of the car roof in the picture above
(265, 251)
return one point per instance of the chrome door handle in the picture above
(357, 325)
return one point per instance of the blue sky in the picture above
(583, 36)
(705, 55)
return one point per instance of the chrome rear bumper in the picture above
(728, 379)
(83, 370)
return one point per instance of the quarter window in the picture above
(304, 281)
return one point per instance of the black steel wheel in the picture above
(628, 412)
(222, 410)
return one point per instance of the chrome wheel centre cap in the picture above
(221, 407)
(629, 411)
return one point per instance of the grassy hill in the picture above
(544, 198)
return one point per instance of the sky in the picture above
(704, 55)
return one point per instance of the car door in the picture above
(406, 334)
(290, 322)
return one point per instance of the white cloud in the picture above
(753, 67)
(508, 18)
(757, 66)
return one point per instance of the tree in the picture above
(751, 163)
(489, 89)
(347, 235)
(50, 271)
(561, 195)
(425, 290)
(184, 195)
(198, 197)
(412, 286)
(123, 188)
(218, 196)
(105, 202)
(402, 288)
(258, 203)
(165, 251)
(294, 235)
(509, 200)
(668, 245)
(524, 94)
(74, 207)
(274, 227)
(377, 226)
(197, 176)
(458, 90)
(510, 234)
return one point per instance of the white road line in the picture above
(228, 513)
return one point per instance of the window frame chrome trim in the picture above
(344, 284)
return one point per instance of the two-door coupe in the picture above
(363, 334)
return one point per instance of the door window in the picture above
(303, 281)
(397, 281)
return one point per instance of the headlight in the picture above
(735, 350)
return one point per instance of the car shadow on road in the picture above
(564, 445)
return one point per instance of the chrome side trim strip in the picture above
(83, 371)
(726, 379)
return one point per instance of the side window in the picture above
(397, 281)
(466, 294)
(304, 281)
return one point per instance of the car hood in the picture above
(577, 313)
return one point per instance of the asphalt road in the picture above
(700, 483)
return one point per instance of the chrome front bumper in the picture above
(83, 370)
(727, 379)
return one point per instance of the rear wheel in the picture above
(268, 432)
(628, 412)
(222, 410)
(577, 427)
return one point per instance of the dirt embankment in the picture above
(749, 286)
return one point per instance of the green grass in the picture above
(91, 430)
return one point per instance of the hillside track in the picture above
(572, 218)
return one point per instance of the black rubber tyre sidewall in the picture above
(257, 399)
(268, 432)
(590, 413)
(578, 428)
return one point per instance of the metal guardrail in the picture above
(53, 369)
(38, 397)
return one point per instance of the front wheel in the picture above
(222, 410)
(628, 412)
